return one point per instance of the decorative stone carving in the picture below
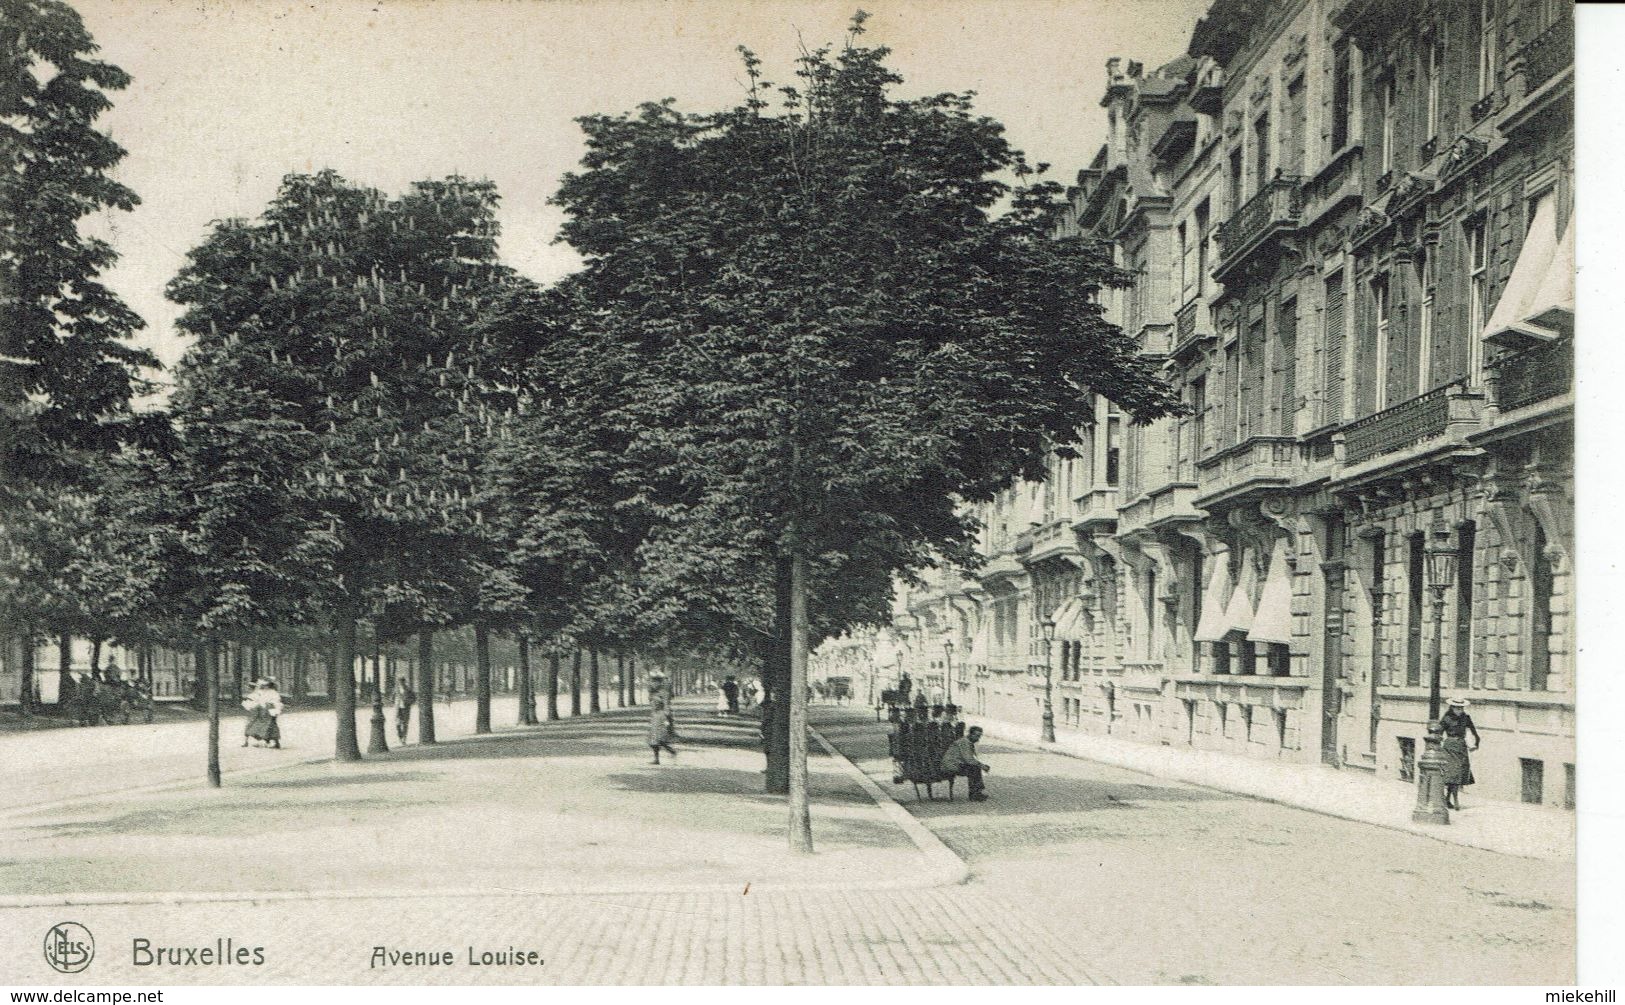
(1462, 154)
(1368, 224)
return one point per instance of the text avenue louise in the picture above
(509, 956)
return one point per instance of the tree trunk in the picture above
(64, 669)
(345, 747)
(775, 682)
(211, 676)
(425, 686)
(527, 687)
(96, 658)
(592, 682)
(552, 684)
(620, 677)
(236, 671)
(482, 677)
(200, 695)
(575, 684)
(632, 680)
(800, 815)
(25, 697)
(378, 733)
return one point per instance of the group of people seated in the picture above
(930, 743)
(101, 696)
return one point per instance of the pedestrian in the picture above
(730, 690)
(1458, 769)
(660, 724)
(264, 706)
(405, 698)
(960, 759)
(722, 700)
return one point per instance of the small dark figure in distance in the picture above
(960, 759)
(405, 698)
(730, 690)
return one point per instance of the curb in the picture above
(944, 867)
(1448, 838)
(947, 868)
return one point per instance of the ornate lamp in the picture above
(1441, 567)
(1047, 733)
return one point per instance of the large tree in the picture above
(347, 315)
(828, 324)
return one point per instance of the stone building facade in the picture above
(1350, 227)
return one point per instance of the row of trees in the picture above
(808, 328)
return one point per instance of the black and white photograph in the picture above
(1032, 493)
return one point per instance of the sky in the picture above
(228, 97)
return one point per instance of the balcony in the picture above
(1052, 540)
(1095, 512)
(1168, 504)
(1548, 53)
(1258, 462)
(1534, 375)
(1276, 207)
(1424, 417)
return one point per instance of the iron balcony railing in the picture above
(1396, 428)
(1276, 205)
(1534, 375)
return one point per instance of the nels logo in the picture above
(69, 947)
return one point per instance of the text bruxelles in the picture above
(223, 953)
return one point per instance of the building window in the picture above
(1342, 94)
(1203, 221)
(1533, 771)
(1379, 370)
(1221, 657)
(1250, 399)
(1286, 381)
(1186, 277)
(1407, 759)
(1236, 181)
(1261, 151)
(1114, 451)
(1416, 568)
(1424, 367)
(1334, 347)
(1489, 48)
(1389, 94)
(1232, 384)
(1478, 296)
(1293, 128)
(1278, 659)
(1150, 614)
(1198, 427)
(1432, 68)
(1540, 613)
(1466, 534)
(1246, 658)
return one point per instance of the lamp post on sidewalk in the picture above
(948, 670)
(1048, 732)
(1430, 768)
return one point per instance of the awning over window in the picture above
(1538, 302)
(1210, 627)
(1272, 622)
(1067, 618)
(1238, 613)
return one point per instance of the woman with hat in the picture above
(1458, 770)
(660, 731)
(264, 705)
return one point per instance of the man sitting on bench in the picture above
(960, 759)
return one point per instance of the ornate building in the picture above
(1350, 227)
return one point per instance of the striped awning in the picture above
(1210, 627)
(1538, 301)
(1272, 622)
(1067, 619)
(1238, 613)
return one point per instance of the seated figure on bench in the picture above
(960, 759)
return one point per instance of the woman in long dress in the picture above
(264, 707)
(1458, 769)
(660, 731)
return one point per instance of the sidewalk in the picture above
(1509, 828)
(570, 807)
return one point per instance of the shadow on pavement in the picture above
(673, 778)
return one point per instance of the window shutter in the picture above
(1402, 358)
(1334, 350)
(1365, 376)
(1288, 341)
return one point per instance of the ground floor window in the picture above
(1534, 779)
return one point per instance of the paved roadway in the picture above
(1081, 873)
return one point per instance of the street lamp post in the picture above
(1048, 733)
(1441, 558)
(948, 670)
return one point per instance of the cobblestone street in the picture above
(1081, 873)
